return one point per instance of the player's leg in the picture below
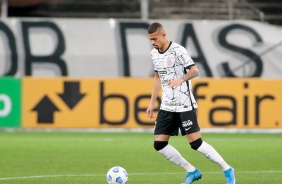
(187, 125)
(164, 128)
(208, 151)
(193, 135)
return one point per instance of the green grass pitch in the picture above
(84, 158)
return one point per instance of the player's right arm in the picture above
(155, 92)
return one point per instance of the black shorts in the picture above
(169, 123)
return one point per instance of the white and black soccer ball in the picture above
(117, 175)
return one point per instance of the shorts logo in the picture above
(186, 129)
(187, 123)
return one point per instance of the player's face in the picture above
(157, 39)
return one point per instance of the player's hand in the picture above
(150, 112)
(175, 83)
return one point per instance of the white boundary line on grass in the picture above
(131, 174)
(142, 130)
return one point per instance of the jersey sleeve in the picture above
(184, 57)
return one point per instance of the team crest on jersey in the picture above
(169, 60)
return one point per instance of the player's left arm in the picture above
(192, 73)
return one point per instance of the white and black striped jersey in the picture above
(170, 65)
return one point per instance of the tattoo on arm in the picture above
(190, 75)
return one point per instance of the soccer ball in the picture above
(117, 175)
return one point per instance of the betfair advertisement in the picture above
(86, 103)
(122, 103)
(239, 103)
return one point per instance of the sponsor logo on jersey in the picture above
(162, 72)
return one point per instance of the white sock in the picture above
(213, 155)
(175, 157)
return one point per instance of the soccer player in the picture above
(174, 69)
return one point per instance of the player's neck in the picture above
(165, 46)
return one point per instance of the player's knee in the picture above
(159, 145)
(196, 144)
